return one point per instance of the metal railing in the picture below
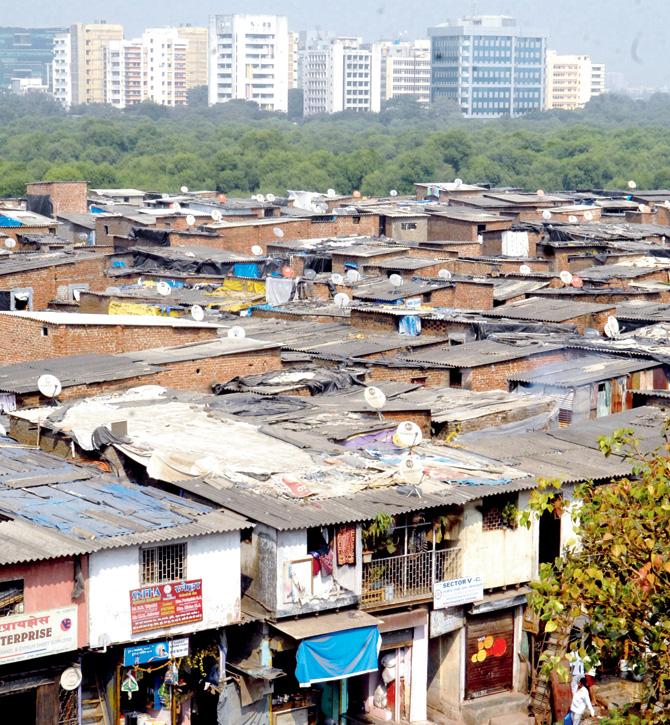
(408, 576)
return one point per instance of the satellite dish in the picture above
(71, 678)
(572, 219)
(197, 313)
(525, 269)
(356, 194)
(632, 184)
(577, 282)
(565, 277)
(184, 189)
(666, 203)
(395, 280)
(588, 216)
(309, 274)
(163, 288)
(271, 198)
(407, 434)
(10, 243)
(260, 198)
(237, 331)
(331, 193)
(336, 278)
(278, 232)
(190, 220)
(217, 215)
(444, 274)
(256, 250)
(540, 192)
(393, 192)
(546, 214)
(612, 328)
(352, 276)
(458, 183)
(375, 398)
(76, 293)
(49, 386)
(411, 469)
(342, 300)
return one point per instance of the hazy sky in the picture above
(628, 35)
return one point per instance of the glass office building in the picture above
(26, 53)
(489, 66)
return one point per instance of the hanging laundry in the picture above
(346, 545)
(278, 290)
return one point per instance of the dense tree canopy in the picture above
(241, 150)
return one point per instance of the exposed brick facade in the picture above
(66, 196)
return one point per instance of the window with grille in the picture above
(11, 597)
(164, 564)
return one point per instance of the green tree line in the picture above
(237, 149)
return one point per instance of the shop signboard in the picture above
(142, 654)
(25, 636)
(160, 606)
(454, 592)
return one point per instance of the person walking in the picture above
(581, 702)
(576, 670)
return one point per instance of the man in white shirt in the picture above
(576, 670)
(581, 702)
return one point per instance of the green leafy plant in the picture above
(377, 534)
(510, 515)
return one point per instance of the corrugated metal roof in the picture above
(545, 310)
(52, 317)
(475, 354)
(16, 263)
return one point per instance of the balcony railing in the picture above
(408, 577)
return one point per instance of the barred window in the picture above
(164, 564)
(11, 597)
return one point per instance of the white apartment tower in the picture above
(61, 69)
(404, 69)
(249, 60)
(572, 80)
(340, 75)
(293, 53)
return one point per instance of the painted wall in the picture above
(502, 557)
(419, 696)
(215, 559)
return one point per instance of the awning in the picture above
(501, 600)
(338, 655)
(326, 624)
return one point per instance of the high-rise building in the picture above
(89, 44)
(404, 69)
(249, 60)
(197, 54)
(340, 75)
(293, 59)
(151, 68)
(489, 66)
(61, 69)
(572, 80)
(26, 53)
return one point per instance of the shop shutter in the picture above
(491, 672)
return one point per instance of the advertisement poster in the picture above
(453, 592)
(143, 654)
(25, 636)
(159, 606)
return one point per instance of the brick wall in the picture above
(428, 377)
(339, 259)
(495, 377)
(442, 228)
(66, 196)
(24, 339)
(473, 296)
(596, 320)
(14, 232)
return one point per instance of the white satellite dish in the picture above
(411, 469)
(10, 243)
(342, 300)
(666, 203)
(396, 280)
(76, 293)
(540, 192)
(197, 313)
(565, 277)
(176, 206)
(336, 278)
(49, 385)
(407, 434)
(393, 192)
(525, 269)
(237, 331)
(257, 250)
(278, 232)
(444, 274)
(184, 189)
(163, 288)
(612, 328)
(375, 398)
(632, 184)
(216, 215)
(352, 276)
(331, 193)
(588, 216)
(546, 214)
(458, 182)
(309, 274)
(572, 219)
(70, 678)
(190, 220)
(271, 198)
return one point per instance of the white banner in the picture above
(453, 592)
(26, 636)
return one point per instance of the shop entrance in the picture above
(19, 707)
(489, 654)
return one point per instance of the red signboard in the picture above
(158, 606)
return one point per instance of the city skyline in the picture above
(626, 36)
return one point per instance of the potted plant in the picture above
(377, 535)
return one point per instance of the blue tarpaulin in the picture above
(247, 270)
(410, 325)
(337, 655)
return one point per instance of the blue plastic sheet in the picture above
(247, 270)
(410, 325)
(337, 655)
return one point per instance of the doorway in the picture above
(550, 537)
